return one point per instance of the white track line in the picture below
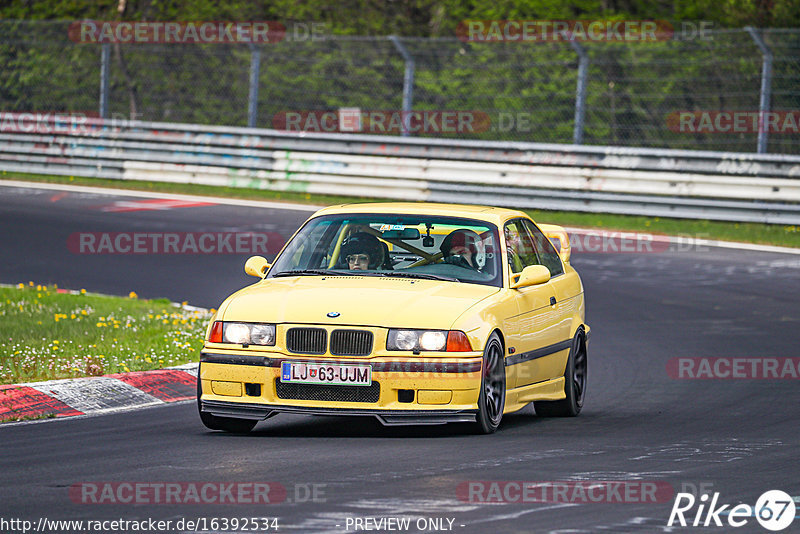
(155, 194)
(680, 240)
(313, 207)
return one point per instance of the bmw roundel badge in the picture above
(333, 314)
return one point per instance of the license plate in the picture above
(326, 373)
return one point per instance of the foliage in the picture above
(48, 333)
(632, 88)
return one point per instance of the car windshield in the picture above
(409, 246)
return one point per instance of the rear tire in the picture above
(492, 399)
(227, 424)
(575, 377)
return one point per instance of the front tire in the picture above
(492, 399)
(575, 377)
(227, 424)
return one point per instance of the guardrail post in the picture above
(408, 82)
(252, 100)
(766, 85)
(105, 63)
(580, 92)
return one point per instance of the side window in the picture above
(548, 256)
(521, 250)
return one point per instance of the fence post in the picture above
(105, 62)
(766, 85)
(408, 82)
(252, 100)
(580, 92)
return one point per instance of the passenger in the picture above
(460, 248)
(362, 251)
(513, 246)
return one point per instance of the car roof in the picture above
(484, 213)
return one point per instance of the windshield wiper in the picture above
(303, 272)
(424, 276)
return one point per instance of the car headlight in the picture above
(403, 340)
(236, 333)
(262, 334)
(243, 333)
(433, 340)
(428, 340)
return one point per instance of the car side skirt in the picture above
(550, 390)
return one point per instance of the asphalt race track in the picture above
(737, 437)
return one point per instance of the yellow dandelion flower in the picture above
(30, 283)
(21, 285)
(83, 291)
(132, 295)
(84, 312)
(38, 287)
(72, 316)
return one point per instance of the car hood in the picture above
(359, 300)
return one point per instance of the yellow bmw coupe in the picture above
(411, 313)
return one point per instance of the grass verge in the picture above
(766, 234)
(47, 333)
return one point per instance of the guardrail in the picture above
(634, 181)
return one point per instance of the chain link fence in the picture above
(668, 94)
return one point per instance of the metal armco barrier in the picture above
(634, 181)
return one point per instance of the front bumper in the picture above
(260, 412)
(420, 390)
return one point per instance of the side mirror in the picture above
(558, 236)
(530, 276)
(256, 266)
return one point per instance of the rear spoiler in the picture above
(558, 236)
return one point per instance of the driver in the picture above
(362, 251)
(460, 248)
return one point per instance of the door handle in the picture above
(552, 301)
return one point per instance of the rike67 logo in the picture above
(774, 510)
